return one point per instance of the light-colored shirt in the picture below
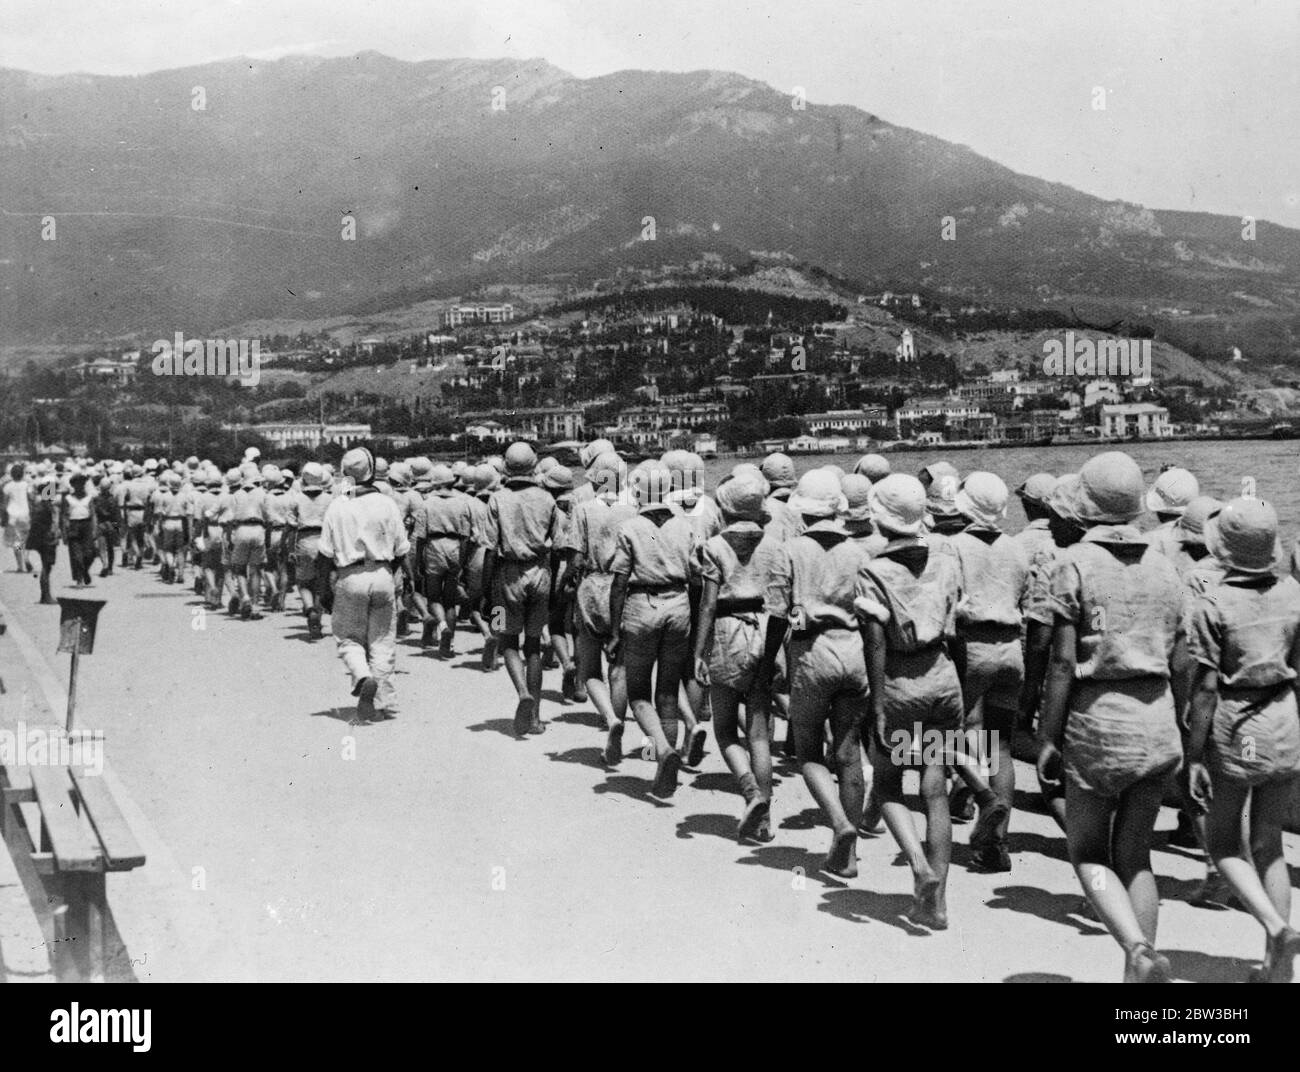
(244, 505)
(522, 521)
(593, 531)
(306, 511)
(1245, 629)
(916, 606)
(363, 528)
(656, 547)
(1035, 537)
(17, 506)
(994, 577)
(1126, 604)
(814, 578)
(446, 513)
(739, 560)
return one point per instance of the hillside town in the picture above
(699, 367)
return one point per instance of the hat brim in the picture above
(1156, 503)
(968, 508)
(1219, 549)
(820, 508)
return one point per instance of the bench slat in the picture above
(16, 783)
(121, 849)
(73, 848)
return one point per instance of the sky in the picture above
(1202, 97)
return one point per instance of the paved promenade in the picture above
(285, 843)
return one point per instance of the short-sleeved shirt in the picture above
(363, 528)
(916, 603)
(1035, 537)
(656, 547)
(79, 508)
(1164, 538)
(446, 513)
(180, 504)
(307, 510)
(783, 523)
(593, 531)
(478, 512)
(702, 512)
(137, 493)
(410, 504)
(1125, 599)
(522, 521)
(814, 579)
(276, 507)
(1245, 628)
(740, 560)
(994, 576)
(243, 505)
(1037, 604)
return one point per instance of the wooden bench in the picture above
(64, 823)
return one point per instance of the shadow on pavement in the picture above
(1184, 889)
(788, 858)
(633, 788)
(503, 726)
(590, 719)
(587, 757)
(1024, 800)
(1053, 907)
(1037, 977)
(1200, 967)
(716, 782)
(808, 819)
(1038, 844)
(341, 714)
(711, 823)
(858, 905)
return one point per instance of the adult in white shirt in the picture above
(18, 516)
(364, 538)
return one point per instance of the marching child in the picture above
(736, 568)
(907, 598)
(1243, 747)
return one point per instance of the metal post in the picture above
(72, 683)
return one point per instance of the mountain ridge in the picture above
(177, 217)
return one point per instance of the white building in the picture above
(906, 350)
(851, 421)
(480, 313)
(284, 434)
(1141, 419)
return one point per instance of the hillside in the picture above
(171, 218)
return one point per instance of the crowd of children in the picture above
(887, 618)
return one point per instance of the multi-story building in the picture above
(687, 415)
(993, 397)
(539, 423)
(846, 421)
(285, 434)
(917, 409)
(1143, 420)
(479, 313)
(119, 372)
(1031, 426)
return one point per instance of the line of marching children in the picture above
(884, 615)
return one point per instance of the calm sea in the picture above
(1219, 465)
